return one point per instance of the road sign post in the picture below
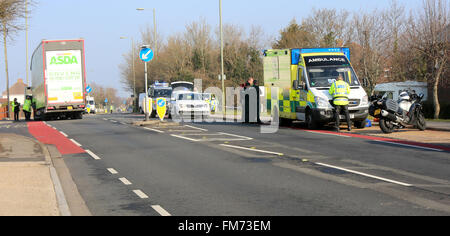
(146, 55)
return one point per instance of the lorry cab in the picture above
(303, 78)
(90, 105)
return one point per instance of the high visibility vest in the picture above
(27, 105)
(13, 105)
(340, 91)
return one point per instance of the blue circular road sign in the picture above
(146, 54)
(88, 89)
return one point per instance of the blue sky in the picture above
(102, 22)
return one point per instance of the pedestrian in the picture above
(256, 86)
(249, 83)
(16, 109)
(340, 90)
(27, 108)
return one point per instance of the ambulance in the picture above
(297, 83)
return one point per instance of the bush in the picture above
(428, 109)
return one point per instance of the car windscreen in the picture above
(189, 96)
(324, 70)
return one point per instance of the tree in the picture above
(10, 12)
(427, 33)
(371, 34)
(294, 36)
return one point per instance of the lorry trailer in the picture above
(59, 79)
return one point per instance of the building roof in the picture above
(16, 89)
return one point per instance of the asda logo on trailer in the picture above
(63, 60)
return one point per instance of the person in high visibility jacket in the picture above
(15, 109)
(27, 108)
(340, 90)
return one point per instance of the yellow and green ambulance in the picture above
(298, 82)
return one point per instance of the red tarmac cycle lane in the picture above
(47, 135)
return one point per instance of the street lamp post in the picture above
(155, 41)
(222, 76)
(26, 36)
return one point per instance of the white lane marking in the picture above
(123, 123)
(76, 143)
(65, 135)
(113, 121)
(250, 149)
(234, 135)
(125, 181)
(155, 130)
(409, 145)
(140, 194)
(366, 175)
(182, 137)
(105, 119)
(93, 155)
(339, 135)
(193, 127)
(112, 171)
(161, 210)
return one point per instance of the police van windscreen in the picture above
(324, 70)
(162, 93)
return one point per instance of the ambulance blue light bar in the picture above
(298, 51)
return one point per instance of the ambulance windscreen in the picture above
(324, 70)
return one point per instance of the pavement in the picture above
(438, 125)
(26, 183)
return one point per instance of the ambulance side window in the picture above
(302, 78)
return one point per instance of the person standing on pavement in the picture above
(256, 86)
(27, 108)
(340, 90)
(16, 109)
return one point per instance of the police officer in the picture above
(340, 90)
(27, 108)
(16, 109)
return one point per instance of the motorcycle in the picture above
(397, 115)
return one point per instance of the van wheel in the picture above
(310, 122)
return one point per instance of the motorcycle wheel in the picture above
(421, 122)
(386, 126)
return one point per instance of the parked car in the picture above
(189, 104)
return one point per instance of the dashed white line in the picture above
(238, 136)
(140, 194)
(125, 181)
(161, 210)
(366, 175)
(155, 130)
(251, 149)
(64, 134)
(76, 143)
(193, 127)
(182, 137)
(112, 171)
(93, 155)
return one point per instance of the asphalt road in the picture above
(229, 169)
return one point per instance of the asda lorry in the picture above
(302, 79)
(58, 79)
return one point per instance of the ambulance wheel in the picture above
(310, 122)
(361, 124)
